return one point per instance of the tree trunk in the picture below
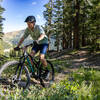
(70, 40)
(49, 42)
(58, 44)
(64, 43)
(76, 27)
(83, 40)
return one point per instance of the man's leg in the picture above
(43, 60)
(43, 49)
(32, 54)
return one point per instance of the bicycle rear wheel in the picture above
(47, 73)
(13, 72)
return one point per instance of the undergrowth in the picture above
(84, 86)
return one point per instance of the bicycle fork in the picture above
(15, 77)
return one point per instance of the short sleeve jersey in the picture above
(35, 34)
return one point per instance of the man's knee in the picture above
(42, 56)
(32, 53)
(42, 59)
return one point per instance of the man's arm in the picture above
(26, 34)
(42, 34)
(41, 37)
(21, 41)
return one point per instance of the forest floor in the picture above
(73, 60)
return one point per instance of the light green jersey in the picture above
(35, 34)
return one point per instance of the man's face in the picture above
(30, 25)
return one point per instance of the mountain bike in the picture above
(21, 71)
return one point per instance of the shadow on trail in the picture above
(7, 83)
(86, 60)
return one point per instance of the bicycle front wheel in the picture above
(12, 72)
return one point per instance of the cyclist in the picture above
(37, 34)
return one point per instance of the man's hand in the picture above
(35, 42)
(17, 48)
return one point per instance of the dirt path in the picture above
(80, 59)
(85, 59)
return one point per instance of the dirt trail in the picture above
(86, 59)
(81, 58)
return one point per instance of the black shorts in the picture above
(40, 47)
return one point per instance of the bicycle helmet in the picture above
(30, 19)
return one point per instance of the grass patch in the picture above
(60, 65)
(89, 81)
(84, 86)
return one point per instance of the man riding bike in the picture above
(37, 34)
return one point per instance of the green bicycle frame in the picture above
(30, 65)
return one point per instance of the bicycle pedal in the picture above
(46, 77)
(30, 74)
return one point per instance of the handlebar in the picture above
(17, 48)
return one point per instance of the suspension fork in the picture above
(20, 64)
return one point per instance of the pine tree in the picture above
(67, 23)
(76, 22)
(58, 21)
(1, 19)
(94, 24)
(48, 16)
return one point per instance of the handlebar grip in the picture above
(16, 48)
